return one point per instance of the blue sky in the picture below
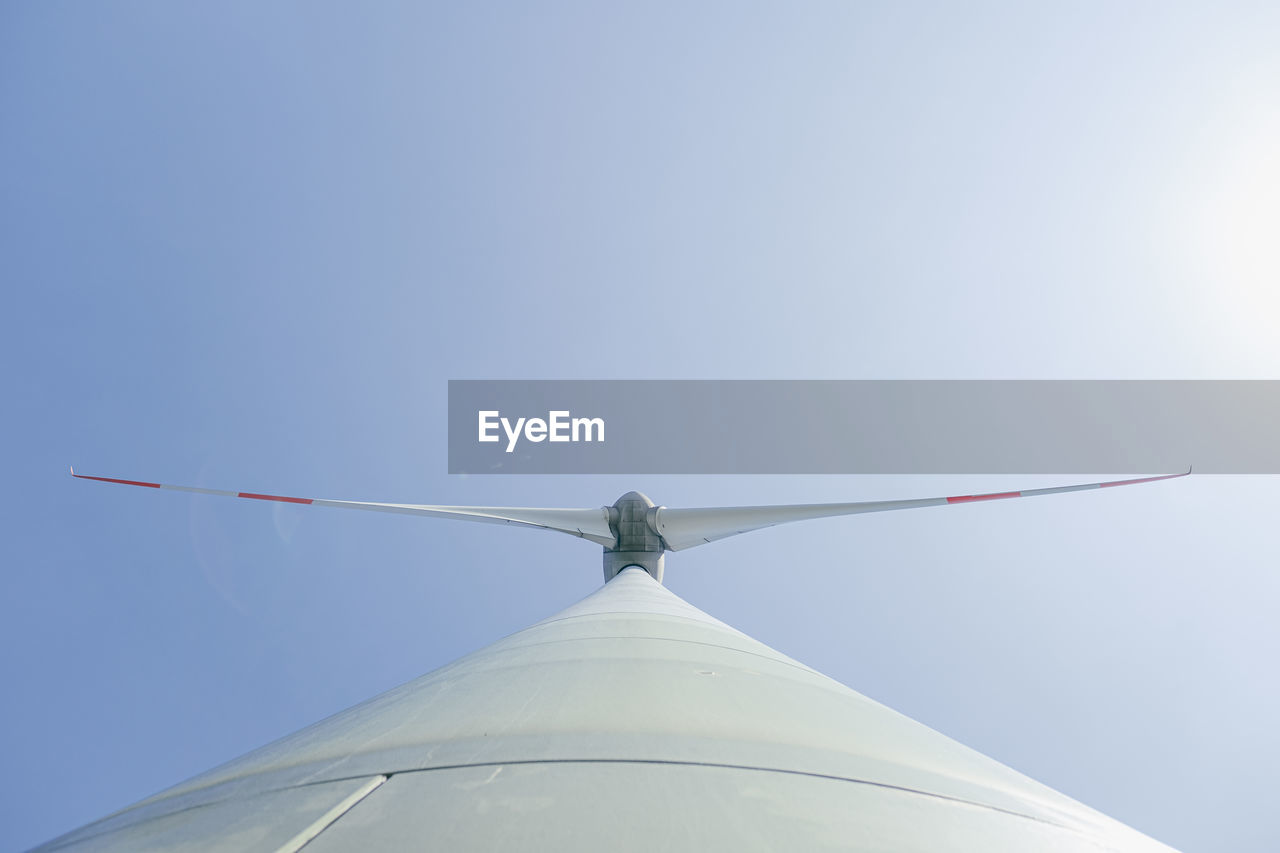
(245, 245)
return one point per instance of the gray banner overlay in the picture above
(864, 427)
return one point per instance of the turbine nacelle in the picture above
(633, 518)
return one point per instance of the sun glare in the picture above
(1238, 233)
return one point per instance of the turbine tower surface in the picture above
(629, 721)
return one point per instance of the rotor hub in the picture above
(633, 520)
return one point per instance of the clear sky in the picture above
(245, 245)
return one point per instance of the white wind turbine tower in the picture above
(628, 721)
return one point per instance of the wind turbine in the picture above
(630, 720)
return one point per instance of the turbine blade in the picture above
(592, 524)
(688, 528)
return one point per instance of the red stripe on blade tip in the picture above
(273, 498)
(960, 499)
(113, 480)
